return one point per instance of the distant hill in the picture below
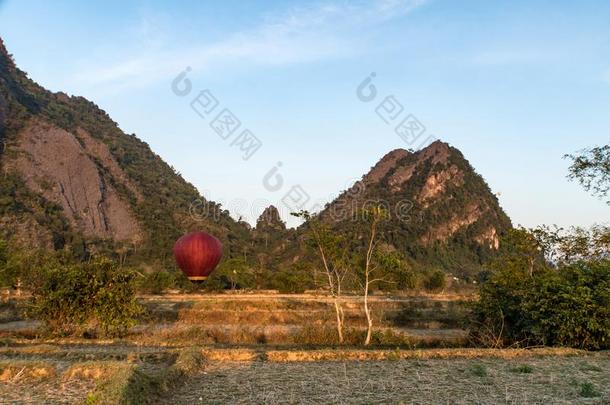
(72, 179)
(441, 212)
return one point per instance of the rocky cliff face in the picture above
(72, 178)
(437, 206)
(67, 169)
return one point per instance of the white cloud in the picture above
(299, 35)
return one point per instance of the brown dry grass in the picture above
(246, 375)
(556, 377)
(52, 381)
(94, 370)
(289, 335)
(233, 355)
(41, 349)
(290, 320)
(318, 297)
(11, 371)
(256, 352)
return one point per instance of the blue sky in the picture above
(514, 85)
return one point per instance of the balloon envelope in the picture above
(197, 254)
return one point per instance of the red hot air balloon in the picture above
(197, 254)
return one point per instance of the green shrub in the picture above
(568, 306)
(231, 274)
(478, 370)
(69, 298)
(523, 369)
(587, 390)
(571, 307)
(317, 335)
(291, 280)
(11, 265)
(436, 281)
(156, 282)
(388, 337)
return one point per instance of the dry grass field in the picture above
(107, 374)
(282, 349)
(284, 320)
(526, 380)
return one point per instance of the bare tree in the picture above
(332, 256)
(374, 216)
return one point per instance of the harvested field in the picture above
(283, 349)
(35, 382)
(294, 320)
(487, 380)
(275, 319)
(67, 374)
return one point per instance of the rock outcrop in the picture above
(270, 220)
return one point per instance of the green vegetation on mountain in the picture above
(442, 215)
(165, 201)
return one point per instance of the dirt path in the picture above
(456, 381)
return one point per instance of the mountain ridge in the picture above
(75, 178)
(441, 211)
(72, 179)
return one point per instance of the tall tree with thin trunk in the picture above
(373, 217)
(332, 254)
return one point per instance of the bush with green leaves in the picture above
(295, 279)
(10, 266)
(75, 297)
(18, 266)
(527, 302)
(571, 306)
(436, 281)
(232, 274)
(6, 277)
(158, 281)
